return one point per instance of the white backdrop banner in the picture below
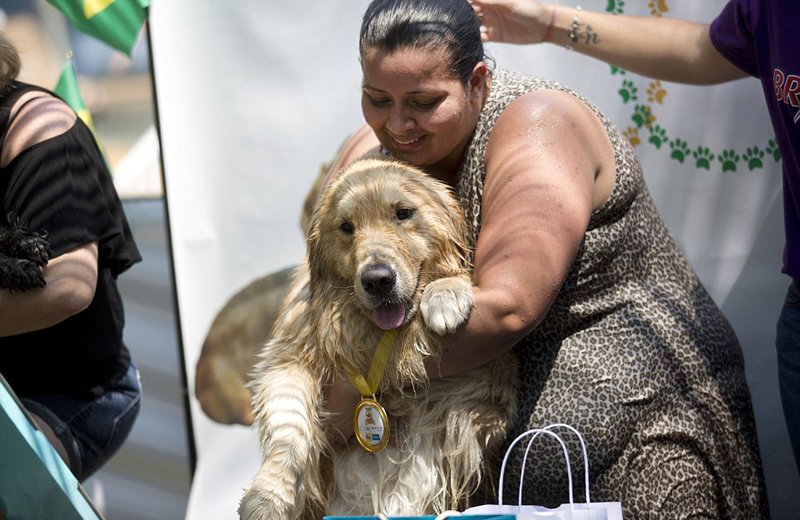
(254, 96)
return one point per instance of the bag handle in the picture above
(583, 449)
(536, 431)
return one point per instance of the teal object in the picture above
(34, 481)
(430, 517)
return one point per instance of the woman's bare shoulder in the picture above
(37, 116)
(549, 109)
(549, 136)
(361, 142)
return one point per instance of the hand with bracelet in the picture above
(512, 21)
(529, 21)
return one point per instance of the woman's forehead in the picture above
(405, 66)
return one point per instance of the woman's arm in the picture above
(71, 277)
(71, 281)
(549, 164)
(663, 48)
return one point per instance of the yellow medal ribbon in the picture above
(380, 357)
(370, 422)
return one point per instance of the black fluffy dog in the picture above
(23, 253)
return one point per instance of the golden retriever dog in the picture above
(386, 251)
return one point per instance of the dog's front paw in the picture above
(446, 304)
(18, 242)
(260, 503)
(36, 248)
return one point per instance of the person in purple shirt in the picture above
(749, 37)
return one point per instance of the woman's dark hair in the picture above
(389, 25)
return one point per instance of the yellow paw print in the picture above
(655, 93)
(658, 7)
(632, 134)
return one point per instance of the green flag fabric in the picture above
(116, 22)
(67, 89)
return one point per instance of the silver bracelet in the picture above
(573, 32)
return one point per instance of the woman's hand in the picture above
(341, 399)
(514, 21)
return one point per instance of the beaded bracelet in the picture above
(573, 32)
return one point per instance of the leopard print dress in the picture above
(634, 354)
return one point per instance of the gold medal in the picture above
(371, 425)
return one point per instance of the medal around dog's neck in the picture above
(370, 422)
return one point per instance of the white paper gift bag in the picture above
(572, 511)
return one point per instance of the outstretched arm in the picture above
(662, 48)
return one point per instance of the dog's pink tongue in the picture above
(389, 316)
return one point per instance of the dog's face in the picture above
(382, 231)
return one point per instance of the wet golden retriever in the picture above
(385, 252)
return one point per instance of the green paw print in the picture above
(702, 158)
(680, 149)
(773, 150)
(615, 6)
(658, 136)
(628, 92)
(753, 157)
(642, 116)
(617, 70)
(729, 158)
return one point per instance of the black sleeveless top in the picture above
(62, 186)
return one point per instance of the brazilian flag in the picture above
(116, 22)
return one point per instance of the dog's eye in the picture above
(404, 214)
(346, 228)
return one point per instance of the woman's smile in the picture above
(406, 144)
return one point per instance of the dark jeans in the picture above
(787, 342)
(92, 430)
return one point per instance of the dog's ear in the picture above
(451, 244)
(313, 248)
(456, 245)
(318, 252)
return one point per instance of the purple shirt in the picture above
(762, 37)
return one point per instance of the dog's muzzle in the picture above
(379, 282)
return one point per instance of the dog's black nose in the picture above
(378, 280)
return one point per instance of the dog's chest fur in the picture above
(440, 428)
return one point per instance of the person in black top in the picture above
(61, 347)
